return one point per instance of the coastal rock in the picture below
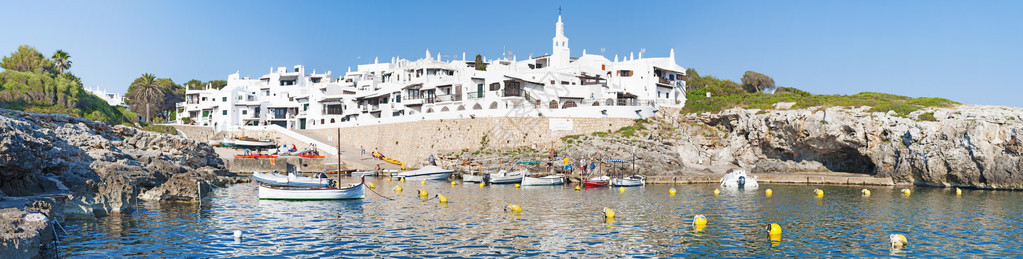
(24, 234)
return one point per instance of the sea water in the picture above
(558, 221)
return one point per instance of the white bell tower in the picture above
(560, 56)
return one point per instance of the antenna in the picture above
(559, 10)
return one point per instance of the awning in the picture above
(289, 78)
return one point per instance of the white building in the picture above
(403, 90)
(112, 99)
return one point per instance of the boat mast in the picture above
(339, 158)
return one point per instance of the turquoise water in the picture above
(562, 222)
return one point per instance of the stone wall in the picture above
(249, 165)
(413, 142)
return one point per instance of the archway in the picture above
(444, 109)
(493, 105)
(477, 107)
(429, 110)
(553, 104)
(568, 104)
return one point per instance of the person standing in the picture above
(363, 154)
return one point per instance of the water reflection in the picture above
(559, 221)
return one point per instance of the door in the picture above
(301, 123)
(479, 91)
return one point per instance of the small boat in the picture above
(557, 179)
(599, 181)
(255, 156)
(505, 177)
(349, 191)
(426, 173)
(635, 180)
(474, 177)
(307, 155)
(738, 178)
(248, 142)
(291, 180)
(364, 173)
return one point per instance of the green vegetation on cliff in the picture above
(32, 83)
(727, 94)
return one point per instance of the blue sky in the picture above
(966, 51)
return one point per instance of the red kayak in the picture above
(601, 181)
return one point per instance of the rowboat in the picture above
(426, 173)
(635, 180)
(472, 177)
(291, 180)
(599, 181)
(248, 142)
(261, 156)
(737, 178)
(349, 191)
(557, 179)
(505, 177)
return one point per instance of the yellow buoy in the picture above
(819, 192)
(898, 240)
(699, 222)
(865, 192)
(716, 192)
(906, 191)
(769, 192)
(517, 186)
(672, 191)
(371, 186)
(388, 179)
(513, 208)
(442, 198)
(774, 232)
(621, 189)
(423, 194)
(482, 184)
(423, 182)
(397, 189)
(453, 183)
(959, 192)
(608, 213)
(402, 180)
(577, 188)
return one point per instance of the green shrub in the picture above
(929, 116)
(161, 129)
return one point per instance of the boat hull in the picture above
(251, 143)
(472, 178)
(546, 180)
(364, 173)
(627, 182)
(426, 173)
(505, 178)
(290, 193)
(592, 183)
(281, 180)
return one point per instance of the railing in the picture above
(474, 95)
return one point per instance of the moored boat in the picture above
(505, 177)
(255, 156)
(350, 191)
(635, 180)
(425, 173)
(599, 181)
(472, 177)
(364, 173)
(738, 178)
(292, 180)
(248, 142)
(557, 179)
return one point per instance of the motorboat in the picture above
(557, 179)
(737, 178)
(635, 180)
(349, 191)
(292, 180)
(473, 177)
(248, 142)
(364, 173)
(599, 181)
(505, 177)
(431, 172)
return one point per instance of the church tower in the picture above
(560, 56)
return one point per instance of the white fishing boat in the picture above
(358, 174)
(557, 179)
(292, 180)
(505, 177)
(737, 178)
(349, 191)
(426, 173)
(635, 180)
(472, 177)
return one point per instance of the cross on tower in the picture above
(559, 10)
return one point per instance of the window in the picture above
(397, 98)
(316, 80)
(333, 109)
(224, 112)
(280, 113)
(267, 92)
(564, 82)
(244, 112)
(305, 107)
(240, 97)
(495, 86)
(625, 73)
(223, 99)
(603, 67)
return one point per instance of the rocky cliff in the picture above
(85, 168)
(964, 146)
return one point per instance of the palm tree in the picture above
(61, 61)
(146, 90)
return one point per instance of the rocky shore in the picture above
(965, 146)
(55, 166)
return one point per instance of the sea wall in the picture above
(413, 142)
(264, 165)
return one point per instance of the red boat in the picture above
(600, 181)
(310, 156)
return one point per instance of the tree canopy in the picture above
(61, 61)
(754, 82)
(480, 66)
(151, 97)
(26, 59)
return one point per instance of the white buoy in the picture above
(237, 234)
